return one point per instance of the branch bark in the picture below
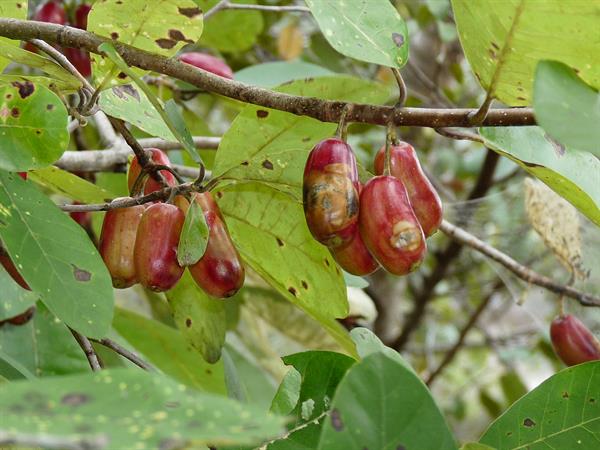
(89, 351)
(134, 358)
(323, 110)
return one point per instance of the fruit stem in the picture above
(342, 130)
(390, 138)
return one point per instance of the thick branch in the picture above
(323, 110)
(523, 272)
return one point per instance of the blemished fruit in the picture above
(207, 62)
(10, 267)
(155, 250)
(573, 342)
(404, 164)
(389, 227)
(158, 157)
(355, 257)
(330, 193)
(117, 242)
(220, 271)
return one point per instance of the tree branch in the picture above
(523, 272)
(134, 358)
(323, 110)
(89, 351)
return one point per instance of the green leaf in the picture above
(16, 10)
(70, 185)
(231, 31)
(566, 107)
(55, 256)
(59, 85)
(200, 318)
(131, 104)
(368, 30)
(321, 372)
(512, 386)
(194, 236)
(166, 348)
(15, 299)
(476, 446)
(167, 113)
(288, 393)
(381, 404)
(575, 175)
(273, 74)
(44, 346)
(367, 343)
(129, 408)
(47, 65)
(162, 27)
(562, 412)
(270, 232)
(504, 40)
(272, 146)
(33, 123)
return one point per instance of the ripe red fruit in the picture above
(83, 218)
(207, 62)
(355, 258)
(117, 241)
(158, 157)
(12, 271)
(404, 164)
(81, 15)
(219, 272)
(80, 59)
(155, 251)
(51, 12)
(330, 192)
(389, 226)
(572, 341)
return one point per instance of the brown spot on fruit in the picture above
(405, 236)
(81, 274)
(267, 164)
(293, 291)
(261, 113)
(190, 12)
(165, 43)
(25, 89)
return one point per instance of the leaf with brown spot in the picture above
(81, 274)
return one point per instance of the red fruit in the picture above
(117, 241)
(572, 341)
(330, 192)
(23, 175)
(355, 258)
(83, 218)
(12, 271)
(158, 157)
(389, 226)
(51, 12)
(80, 59)
(81, 15)
(404, 164)
(155, 251)
(219, 272)
(208, 63)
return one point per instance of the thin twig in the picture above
(477, 117)
(402, 92)
(133, 357)
(449, 356)
(323, 110)
(89, 351)
(523, 272)
(226, 4)
(459, 135)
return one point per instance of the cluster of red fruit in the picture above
(385, 222)
(139, 244)
(54, 12)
